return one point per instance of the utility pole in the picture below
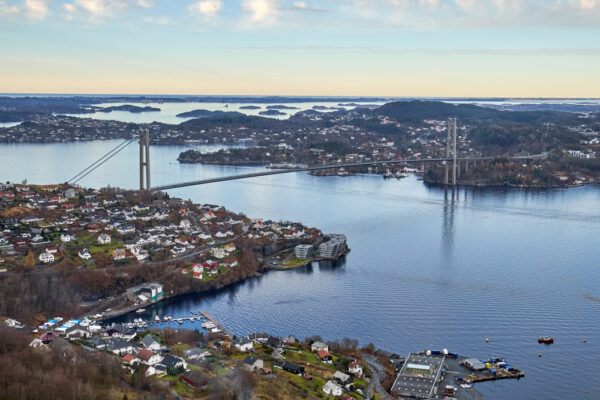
(144, 158)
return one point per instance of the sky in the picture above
(404, 48)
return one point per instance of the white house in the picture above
(65, 237)
(355, 369)
(84, 254)
(150, 343)
(244, 344)
(104, 239)
(185, 224)
(148, 357)
(46, 258)
(333, 389)
(316, 346)
(218, 252)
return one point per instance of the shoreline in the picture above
(216, 290)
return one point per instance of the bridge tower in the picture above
(451, 130)
(144, 158)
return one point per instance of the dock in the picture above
(217, 323)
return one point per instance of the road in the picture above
(330, 166)
(377, 375)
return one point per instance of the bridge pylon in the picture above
(144, 158)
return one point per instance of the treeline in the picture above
(72, 373)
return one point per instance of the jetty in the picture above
(215, 322)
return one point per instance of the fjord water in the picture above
(429, 268)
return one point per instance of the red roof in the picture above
(145, 354)
(323, 353)
(128, 358)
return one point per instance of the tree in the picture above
(29, 260)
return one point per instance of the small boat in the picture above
(157, 318)
(140, 310)
(546, 340)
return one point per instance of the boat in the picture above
(546, 340)
(157, 318)
(140, 310)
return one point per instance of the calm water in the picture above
(428, 268)
(168, 111)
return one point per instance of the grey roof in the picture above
(171, 361)
(250, 360)
(148, 340)
(117, 343)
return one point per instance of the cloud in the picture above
(263, 11)
(37, 9)
(207, 8)
(145, 3)
(7, 9)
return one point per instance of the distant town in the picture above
(414, 130)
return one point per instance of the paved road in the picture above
(377, 375)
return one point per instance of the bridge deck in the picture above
(329, 166)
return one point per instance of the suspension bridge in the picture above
(144, 163)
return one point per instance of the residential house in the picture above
(229, 247)
(172, 361)
(253, 363)
(355, 369)
(218, 252)
(243, 344)
(342, 378)
(316, 346)
(84, 254)
(195, 380)
(119, 346)
(66, 237)
(293, 368)
(46, 258)
(149, 357)
(332, 389)
(198, 269)
(325, 356)
(119, 254)
(104, 239)
(150, 343)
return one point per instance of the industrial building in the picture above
(419, 376)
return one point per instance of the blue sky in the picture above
(520, 48)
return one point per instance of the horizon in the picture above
(284, 96)
(416, 48)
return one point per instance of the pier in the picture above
(217, 323)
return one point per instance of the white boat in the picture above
(140, 310)
(208, 325)
(157, 318)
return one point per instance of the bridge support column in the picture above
(144, 159)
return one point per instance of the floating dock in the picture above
(217, 323)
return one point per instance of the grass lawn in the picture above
(293, 262)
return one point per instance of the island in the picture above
(207, 113)
(250, 108)
(281, 107)
(127, 107)
(272, 113)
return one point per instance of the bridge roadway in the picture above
(330, 166)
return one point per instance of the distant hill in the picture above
(207, 113)
(415, 111)
(129, 108)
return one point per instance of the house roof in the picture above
(250, 360)
(145, 354)
(171, 361)
(323, 353)
(128, 358)
(148, 340)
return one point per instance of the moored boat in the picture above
(546, 340)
